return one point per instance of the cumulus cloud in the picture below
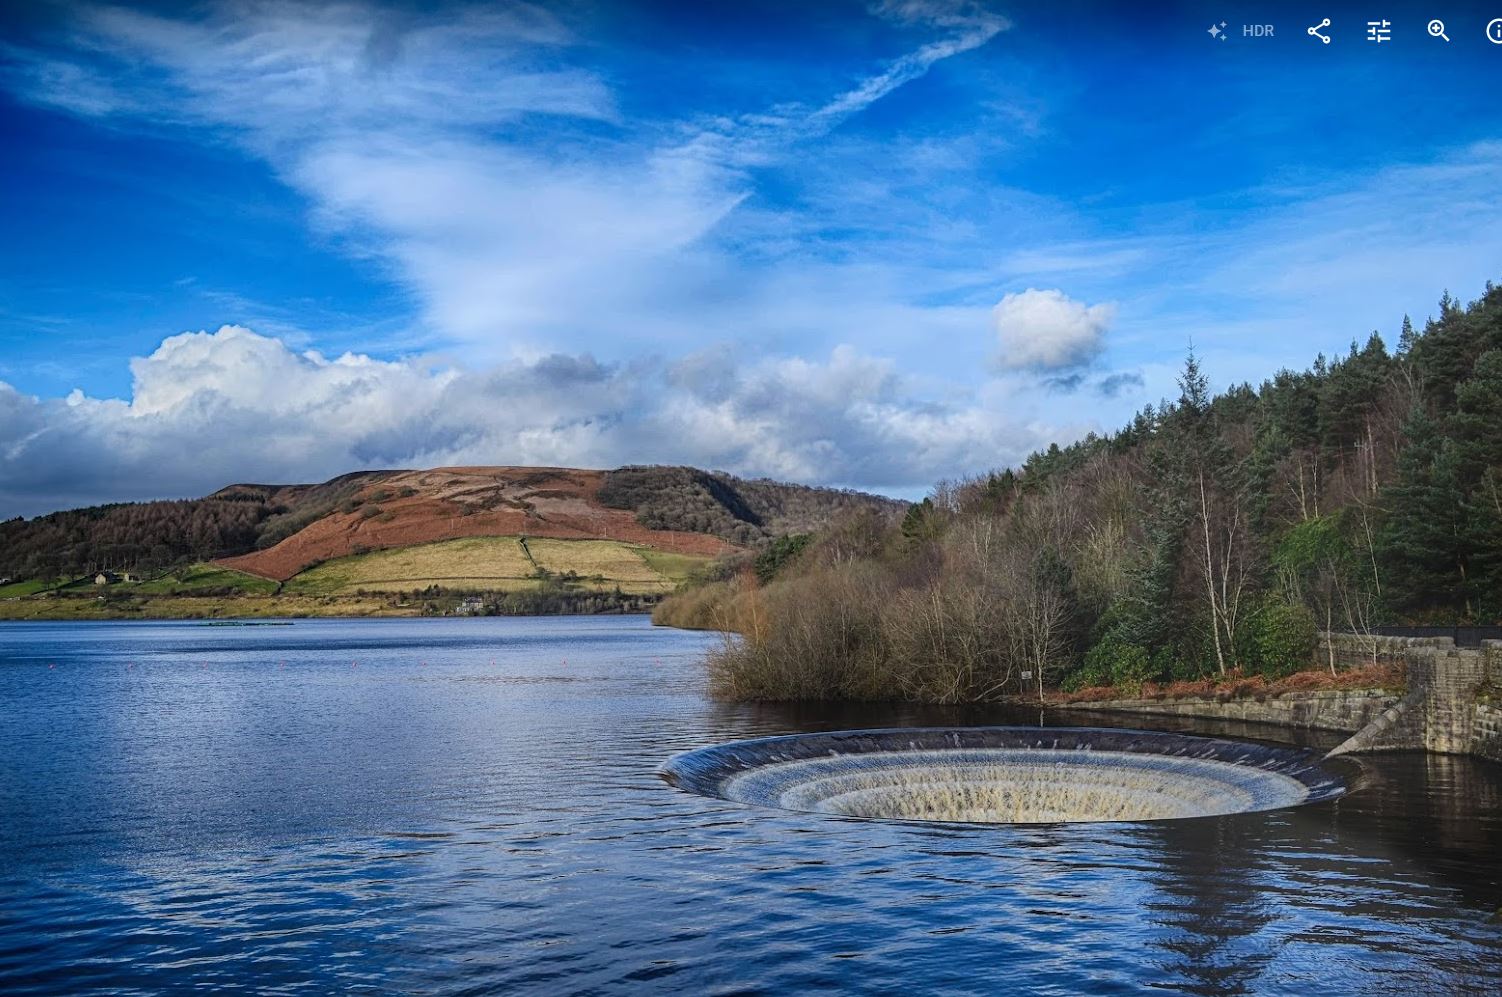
(207, 409)
(1049, 331)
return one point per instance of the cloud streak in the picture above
(478, 160)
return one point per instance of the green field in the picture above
(674, 567)
(197, 579)
(366, 584)
(31, 587)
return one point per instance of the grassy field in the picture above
(198, 579)
(603, 560)
(195, 579)
(496, 564)
(31, 587)
(334, 588)
(672, 566)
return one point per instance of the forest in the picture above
(1213, 536)
(154, 536)
(747, 512)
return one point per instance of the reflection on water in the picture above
(447, 806)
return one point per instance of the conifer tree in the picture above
(1424, 542)
(1477, 431)
(1406, 338)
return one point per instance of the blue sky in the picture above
(857, 244)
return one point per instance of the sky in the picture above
(869, 245)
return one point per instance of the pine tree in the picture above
(1406, 338)
(1477, 423)
(1476, 428)
(1483, 538)
(1424, 543)
(920, 522)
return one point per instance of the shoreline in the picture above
(64, 609)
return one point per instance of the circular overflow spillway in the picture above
(1005, 775)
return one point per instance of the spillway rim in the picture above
(705, 770)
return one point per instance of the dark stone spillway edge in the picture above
(706, 770)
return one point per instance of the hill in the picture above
(420, 507)
(276, 532)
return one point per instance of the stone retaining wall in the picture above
(1488, 739)
(1452, 704)
(1339, 710)
(1360, 650)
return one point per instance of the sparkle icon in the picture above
(1218, 31)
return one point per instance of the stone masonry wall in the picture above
(1452, 704)
(1450, 678)
(1486, 722)
(1360, 650)
(1488, 742)
(1339, 710)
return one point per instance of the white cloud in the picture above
(478, 157)
(1048, 330)
(208, 409)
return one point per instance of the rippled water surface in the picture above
(470, 806)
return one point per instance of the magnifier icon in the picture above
(1437, 29)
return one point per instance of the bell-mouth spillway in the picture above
(1005, 775)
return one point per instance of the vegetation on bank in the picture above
(1383, 675)
(556, 598)
(197, 607)
(1211, 538)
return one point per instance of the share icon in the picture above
(1315, 31)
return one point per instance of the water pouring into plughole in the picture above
(1005, 775)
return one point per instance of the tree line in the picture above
(743, 511)
(149, 537)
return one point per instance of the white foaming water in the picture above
(1014, 785)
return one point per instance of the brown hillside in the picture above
(412, 507)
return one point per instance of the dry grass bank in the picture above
(1380, 676)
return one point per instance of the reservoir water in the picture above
(471, 806)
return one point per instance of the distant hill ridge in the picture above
(275, 531)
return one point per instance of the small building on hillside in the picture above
(110, 577)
